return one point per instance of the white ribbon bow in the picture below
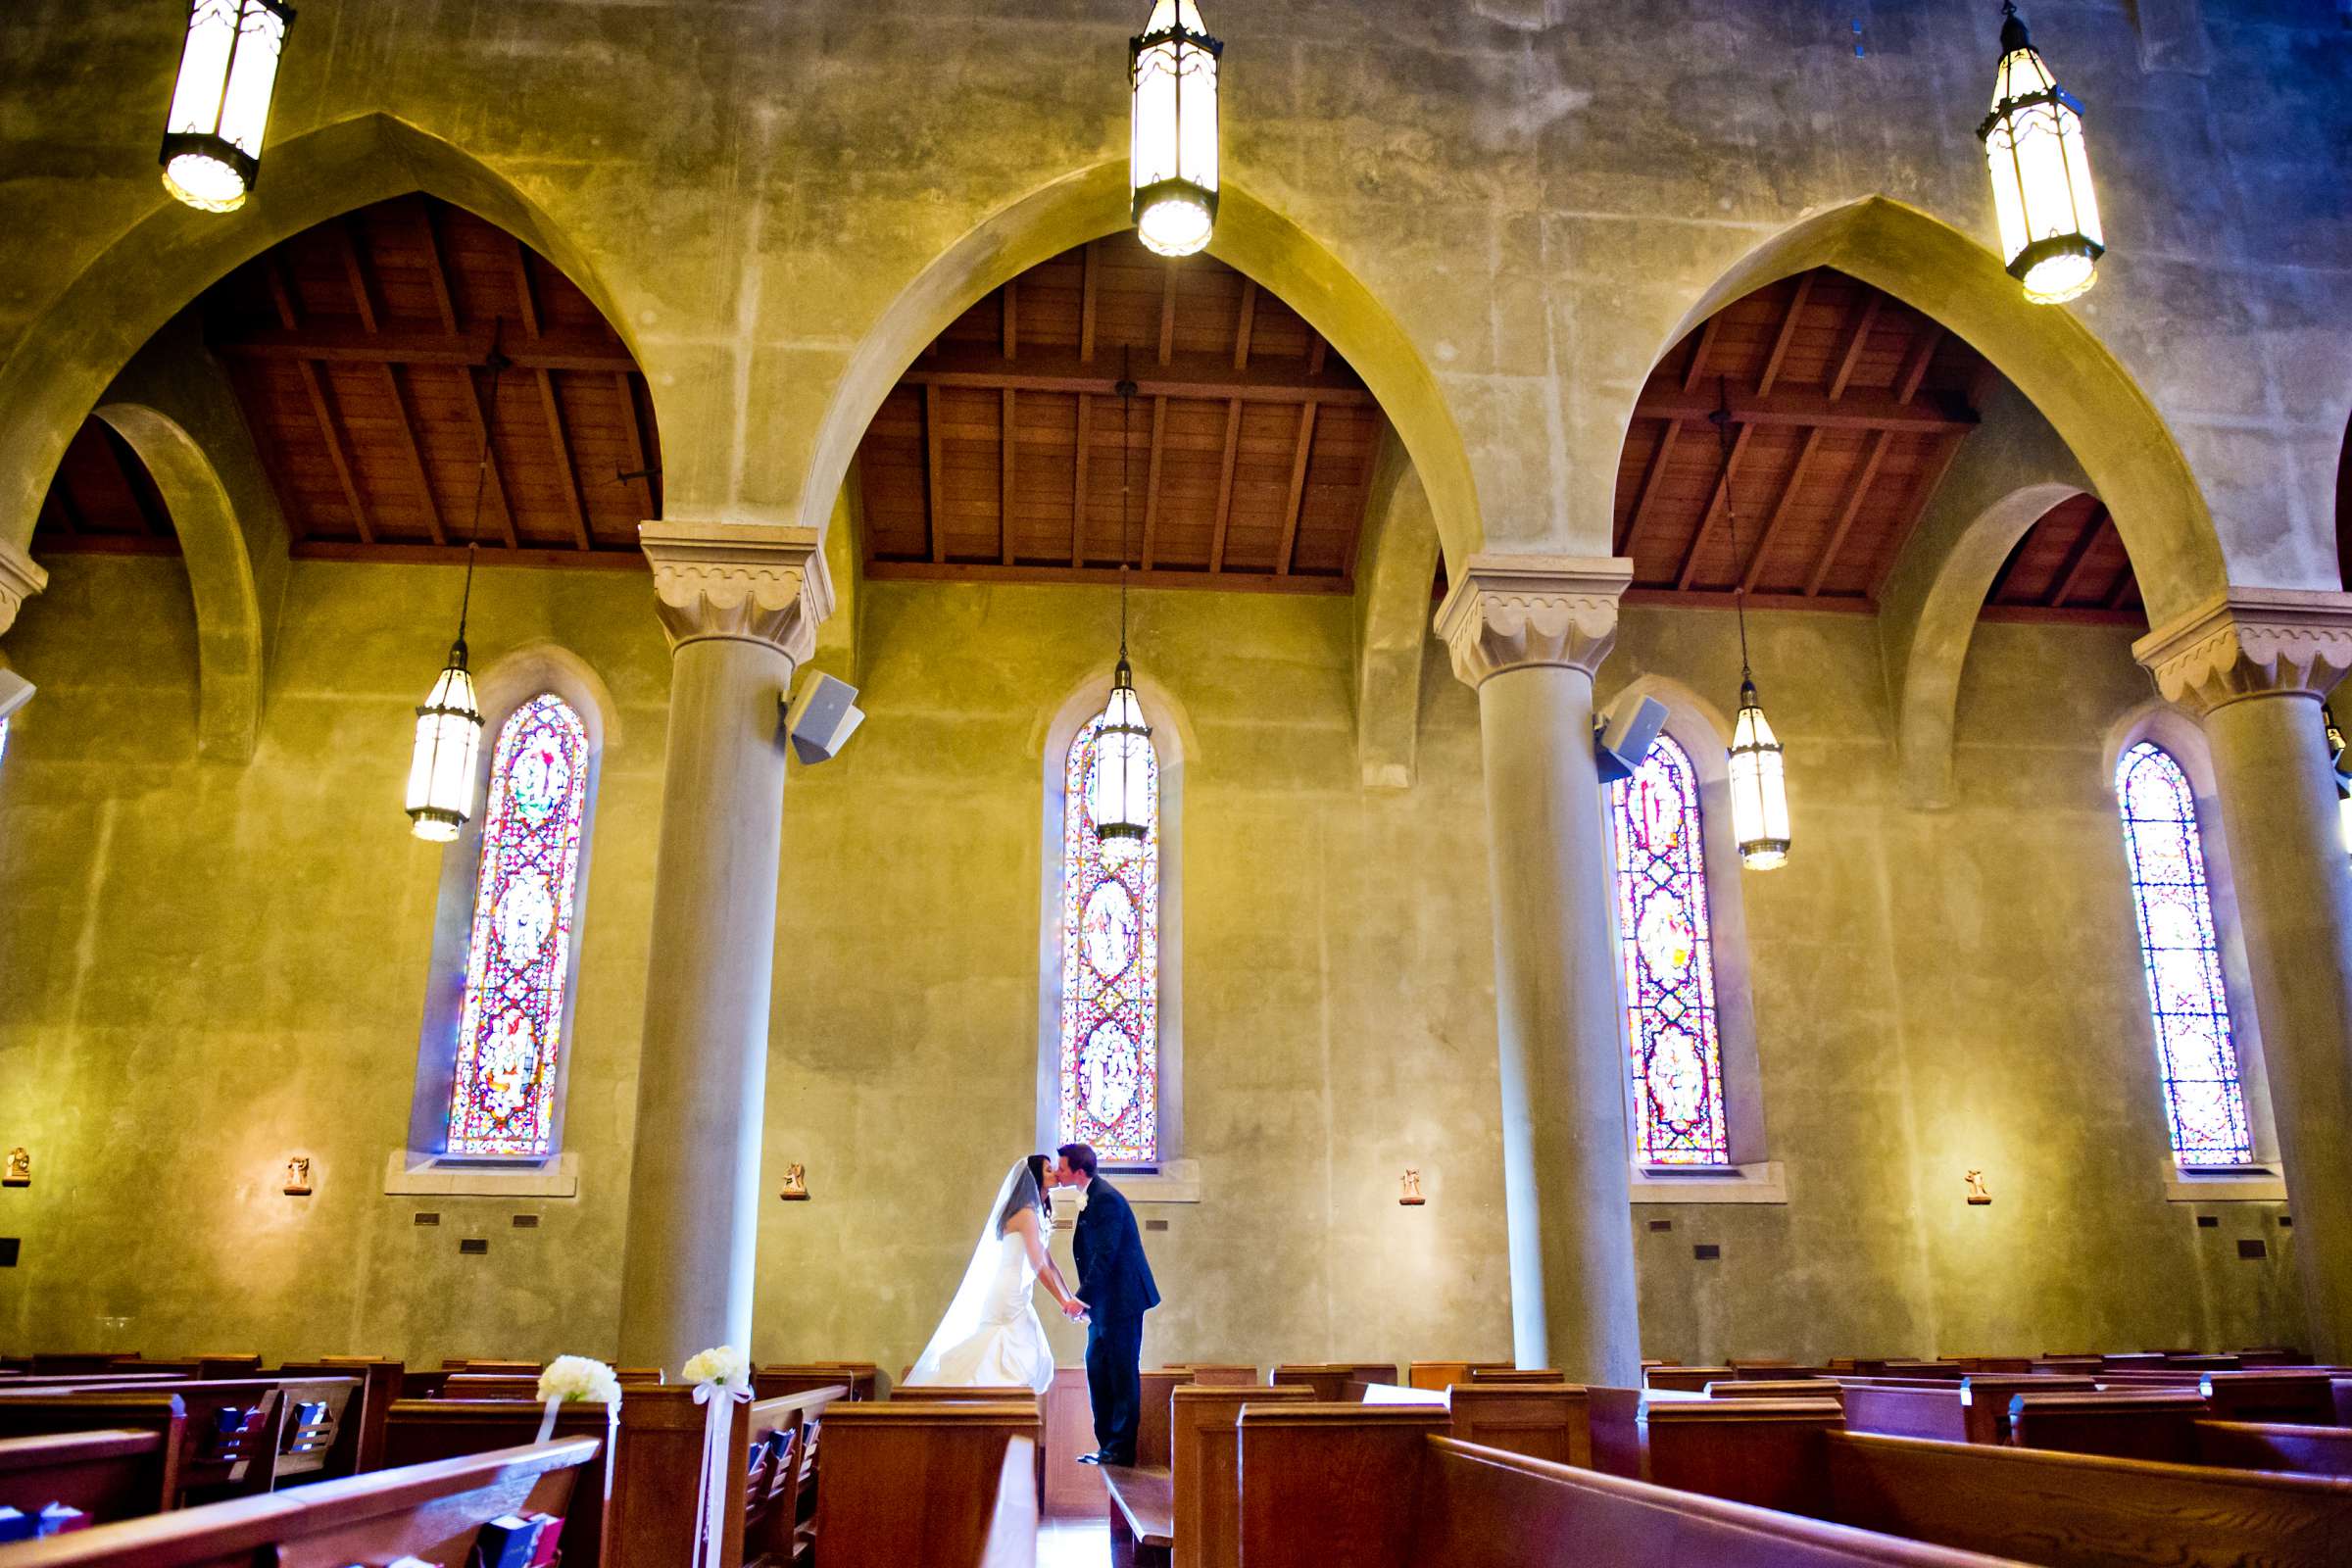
(717, 1395)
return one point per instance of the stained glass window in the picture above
(1109, 1067)
(1668, 964)
(517, 959)
(2194, 1049)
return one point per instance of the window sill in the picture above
(410, 1174)
(1764, 1182)
(2264, 1183)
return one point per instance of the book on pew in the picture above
(54, 1520)
(509, 1540)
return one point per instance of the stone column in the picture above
(20, 580)
(2254, 665)
(1527, 632)
(741, 603)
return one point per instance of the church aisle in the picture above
(1073, 1544)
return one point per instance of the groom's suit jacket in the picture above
(1115, 1277)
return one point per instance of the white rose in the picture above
(722, 1364)
(579, 1379)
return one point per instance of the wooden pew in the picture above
(503, 1369)
(1376, 1487)
(2276, 1445)
(1500, 1376)
(108, 1475)
(1688, 1379)
(2068, 1510)
(1976, 1410)
(1553, 1423)
(2138, 1424)
(913, 1481)
(1217, 1374)
(359, 1437)
(425, 1431)
(1787, 1389)
(225, 1435)
(863, 1379)
(1761, 1451)
(430, 1511)
(650, 1521)
(1204, 1482)
(920, 1393)
(1328, 1379)
(2302, 1398)
(1443, 1374)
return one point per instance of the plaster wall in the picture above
(204, 969)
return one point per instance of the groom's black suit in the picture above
(1115, 1280)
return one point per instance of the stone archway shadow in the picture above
(1251, 236)
(74, 347)
(2052, 357)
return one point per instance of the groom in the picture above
(1115, 1284)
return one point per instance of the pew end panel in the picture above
(1204, 1467)
(1325, 1482)
(1551, 1423)
(911, 1481)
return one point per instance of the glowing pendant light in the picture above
(1759, 784)
(220, 103)
(2040, 170)
(1120, 787)
(1172, 161)
(448, 724)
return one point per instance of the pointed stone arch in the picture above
(1251, 236)
(2053, 358)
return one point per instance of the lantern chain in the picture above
(498, 362)
(1721, 419)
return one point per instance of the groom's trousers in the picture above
(1114, 1351)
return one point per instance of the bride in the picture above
(991, 1337)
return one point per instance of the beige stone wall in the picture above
(204, 969)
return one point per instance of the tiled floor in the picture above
(1073, 1544)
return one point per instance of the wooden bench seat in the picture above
(118, 1473)
(431, 1511)
(1142, 1514)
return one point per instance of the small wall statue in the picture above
(1976, 1187)
(298, 1176)
(1410, 1194)
(796, 1184)
(19, 1171)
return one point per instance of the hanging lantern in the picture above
(1759, 787)
(2042, 191)
(220, 104)
(448, 741)
(1119, 790)
(1172, 162)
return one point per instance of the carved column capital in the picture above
(2251, 641)
(19, 579)
(1511, 612)
(749, 581)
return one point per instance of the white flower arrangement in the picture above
(722, 1364)
(579, 1379)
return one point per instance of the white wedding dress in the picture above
(991, 1336)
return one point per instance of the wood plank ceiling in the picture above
(360, 351)
(1004, 452)
(1848, 407)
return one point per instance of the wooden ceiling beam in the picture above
(1697, 368)
(1233, 452)
(552, 351)
(1318, 351)
(569, 474)
(1085, 304)
(2077, 557)
(1191, 375)
(2000, 578)
(1650, 486)
(1915, 505)
(1780, 512)
(1850, 509)
(1254, 579)
(520, 257)
(355, 274)
(436, 266)
(494, 478)
(931, 474)
(1160, 428)
(1786, 335)
(1706, 519)
(2125, 586)
(1246, 325)
(1297, 501)
(632, 434)
(1915, 370)
(338, 452)
(1086, 430)
(1009, 446)
(406, 427)
(1808, 409)
(1857, 338)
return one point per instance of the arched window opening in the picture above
(2196, 1051)
(517, 956)
(1667, 953)
(1108, 1068)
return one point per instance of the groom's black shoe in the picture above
(1090, 1458)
